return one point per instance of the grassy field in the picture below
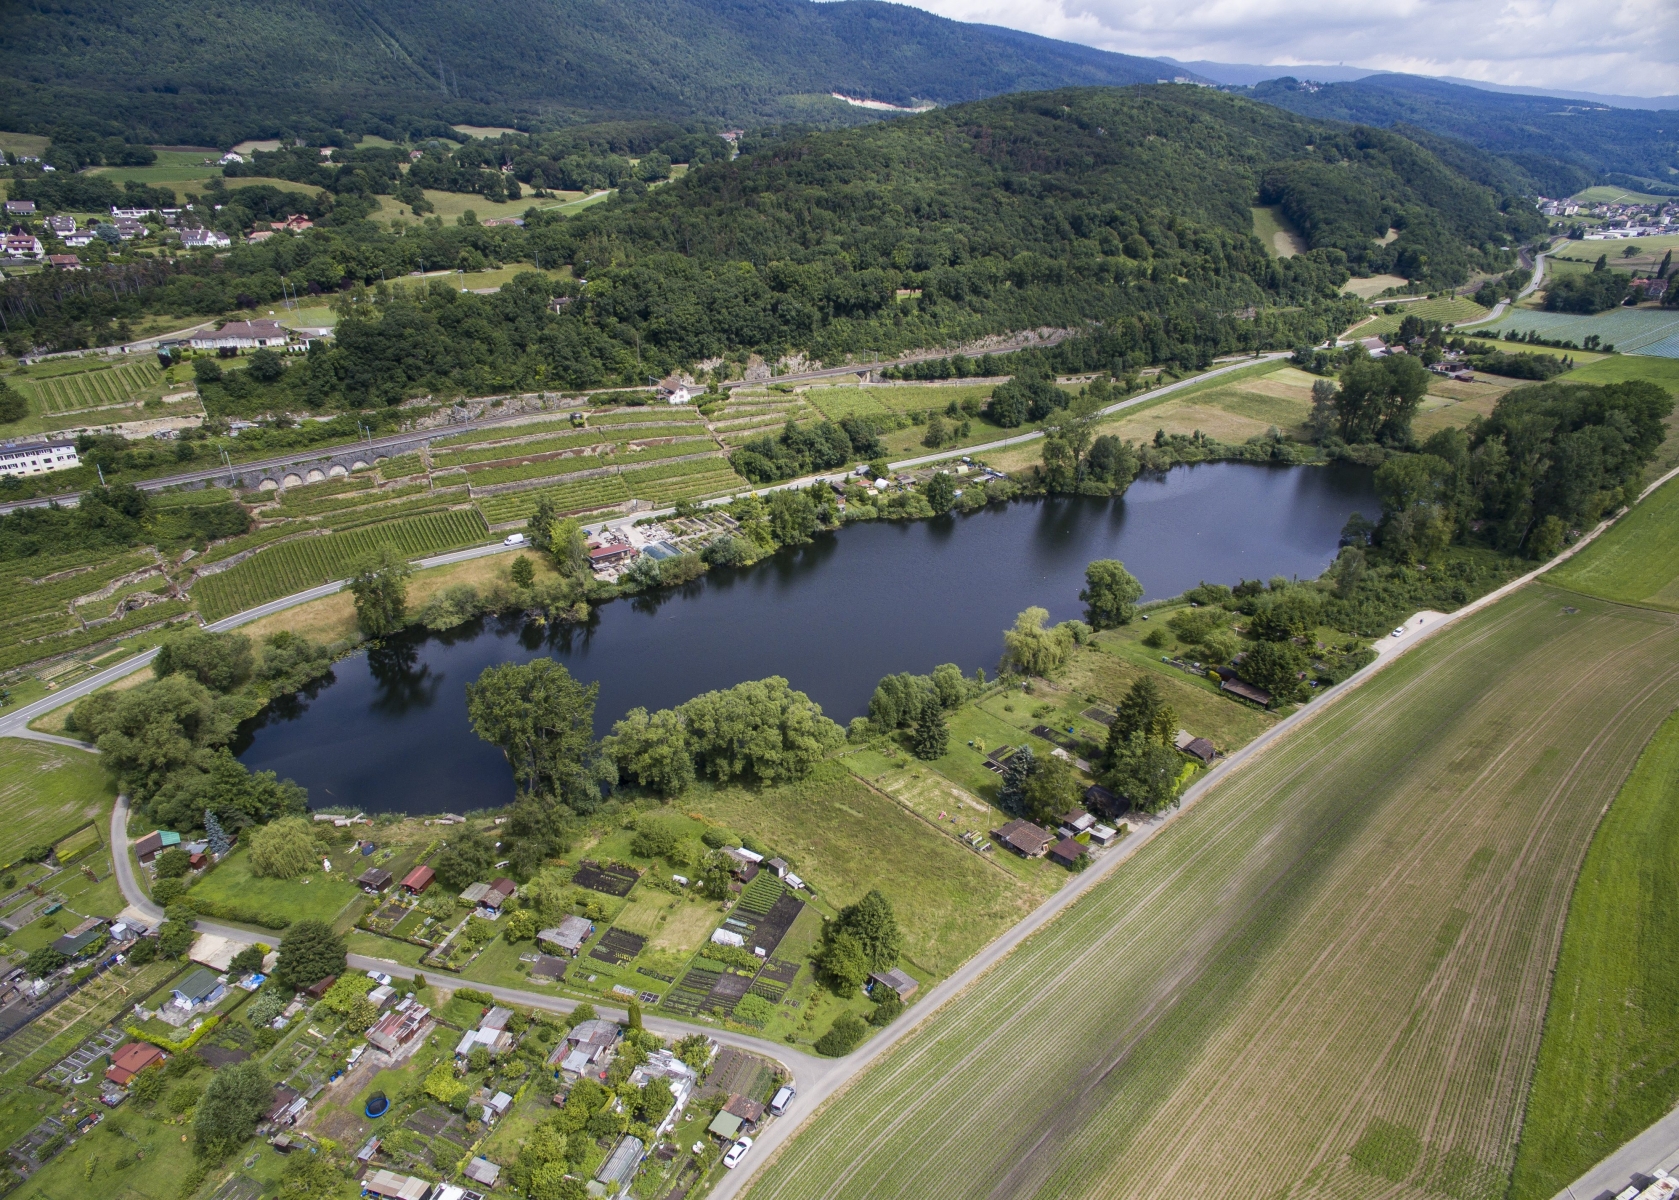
(1332, 971)
(1281, 238)
(1611, 1046)
(848, 838)
(1449, 309)
(45, 792)
(232, 885)
(1636, 562)
(1375, 285)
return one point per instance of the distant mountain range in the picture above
(212, 72)
(1248, 74)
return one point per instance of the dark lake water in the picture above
(388, 730)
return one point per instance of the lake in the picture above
(388, 731)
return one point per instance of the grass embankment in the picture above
(1331, 970)
(46, 792)
(1636, 561)
(1609, 1062)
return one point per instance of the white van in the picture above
(782, 1100)
(513, 539)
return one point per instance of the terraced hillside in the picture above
(1332, 971)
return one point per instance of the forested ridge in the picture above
(215, 73)
(1560, 146)
(1120, 213)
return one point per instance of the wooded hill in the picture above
(1560, 145)
(215, 73)
(1124, 213)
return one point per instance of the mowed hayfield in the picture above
(1607, 1062)
(46, 792)
(1325, 979)
(1636, 561)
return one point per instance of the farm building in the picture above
(569, 935)
(155, 842)
(130, 1060)
(749, 1111)
(547, 966)
(320, 987)
(72, 944)
(897, 980)
(498, 894)
(482, 1170)
(1196, 747)
(418, 880)
(1247, 691)
(475, 893)
(1078, 820)
(1024, 838)
(1066, 852)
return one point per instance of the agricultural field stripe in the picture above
(1141, 1039)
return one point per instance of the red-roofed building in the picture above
(418, 880)
(130, 1060)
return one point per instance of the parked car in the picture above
(782, 1100)
(513, 539)
(737, 1152)
(1400, 632)
(379, 977)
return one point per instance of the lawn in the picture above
(1331, 970)
(232, 887)
(1373, 286)
(46, 792)
(844, 839)
(1637, 561)
(1607, 1062)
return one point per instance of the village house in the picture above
(244, 335)
(674, 391)
(130, 1060)
(20, 208)
(23, 245)
(61, 225)
(205, 239)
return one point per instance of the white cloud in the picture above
(1620, 47)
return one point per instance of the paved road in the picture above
(1499, 309)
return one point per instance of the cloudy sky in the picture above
(1620, 47)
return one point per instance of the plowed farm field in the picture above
(1326, 979)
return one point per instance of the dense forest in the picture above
(1122, 214)
(1560, 145)
(172, 72)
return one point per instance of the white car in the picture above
(1400, 632)
(379, 977)
(513, 539)
(737, 1152)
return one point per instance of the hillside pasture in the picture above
(1272, 226)
(1635, 562)
(1374, 285)
(1449, 310)
(1332, 970)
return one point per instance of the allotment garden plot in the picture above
(1331, 971)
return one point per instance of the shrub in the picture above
(284, 849)
(842, 1037)
(754, 1009)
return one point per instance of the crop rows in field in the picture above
(716, 482)
(566, 466)
(400, 466)
(306, 501)
(1637, 561)
(20, 598)
(311, 506)
(582, 495)
(308, 562)
(15, 655)
(192, 499)
(477, 453)
(93, 389)
(1331, 970)
(438, 501)
(638, 416)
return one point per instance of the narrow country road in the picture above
(1499, 309)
